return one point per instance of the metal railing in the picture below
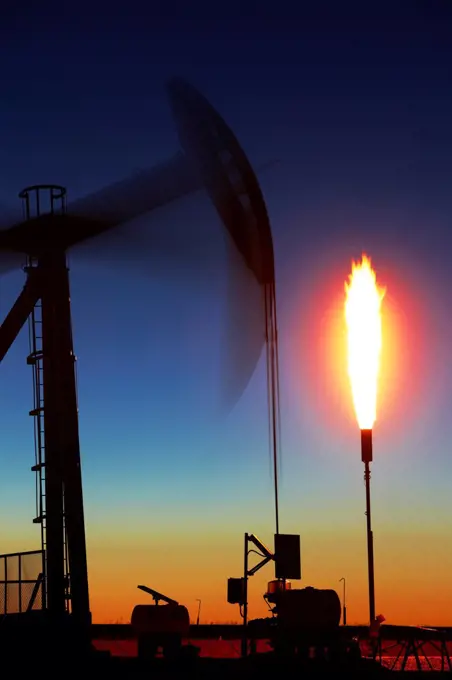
(22, 582)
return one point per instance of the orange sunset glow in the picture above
(363, 318)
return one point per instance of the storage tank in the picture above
(148, 619)
(308, 608)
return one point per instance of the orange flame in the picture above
(363, 318)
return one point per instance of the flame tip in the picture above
(363, 318)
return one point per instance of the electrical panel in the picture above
(287, 556)
(236, 590)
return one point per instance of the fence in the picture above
(21, 582)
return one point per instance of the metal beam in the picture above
(156, 595)
(19, 313)
(266, 552)
(63, 469)
(258, 566)
(53, 424)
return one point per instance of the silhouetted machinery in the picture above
(160, 626)
(38, 242)
(306, 607)
(304, 621)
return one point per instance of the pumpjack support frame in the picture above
(62, 515)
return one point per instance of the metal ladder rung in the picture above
(36, 411)
(33, 358)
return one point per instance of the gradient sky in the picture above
(356, 105)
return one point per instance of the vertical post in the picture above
(5, 608)
(50, 199)
(43, 581)
(370, 546)
(245, 599)
(64, 496)
(367, 457)
(273, 383)
(344, 605)
(20, 584)
(53, 459)
(70, 449)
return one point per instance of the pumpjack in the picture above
(211, 159)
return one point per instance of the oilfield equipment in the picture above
(44, 594)
(160, 626)
(39, 244)
(287, 560)
(302, 620)
(305, 623)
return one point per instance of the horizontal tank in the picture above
(308, 608)
(148, 619)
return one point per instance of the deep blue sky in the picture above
(355, 103)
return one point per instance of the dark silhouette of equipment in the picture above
(41, 240)
(302, 618)
(46, 299)
(287, 556)
(287, 560)
(236, 591)
(305, 608)
(367, 457)
(305, 622)
(34, 592)
(162, 626)
(157, 597)
(344, 605)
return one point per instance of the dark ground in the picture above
(236, 669)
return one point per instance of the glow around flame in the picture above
(363, 319)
